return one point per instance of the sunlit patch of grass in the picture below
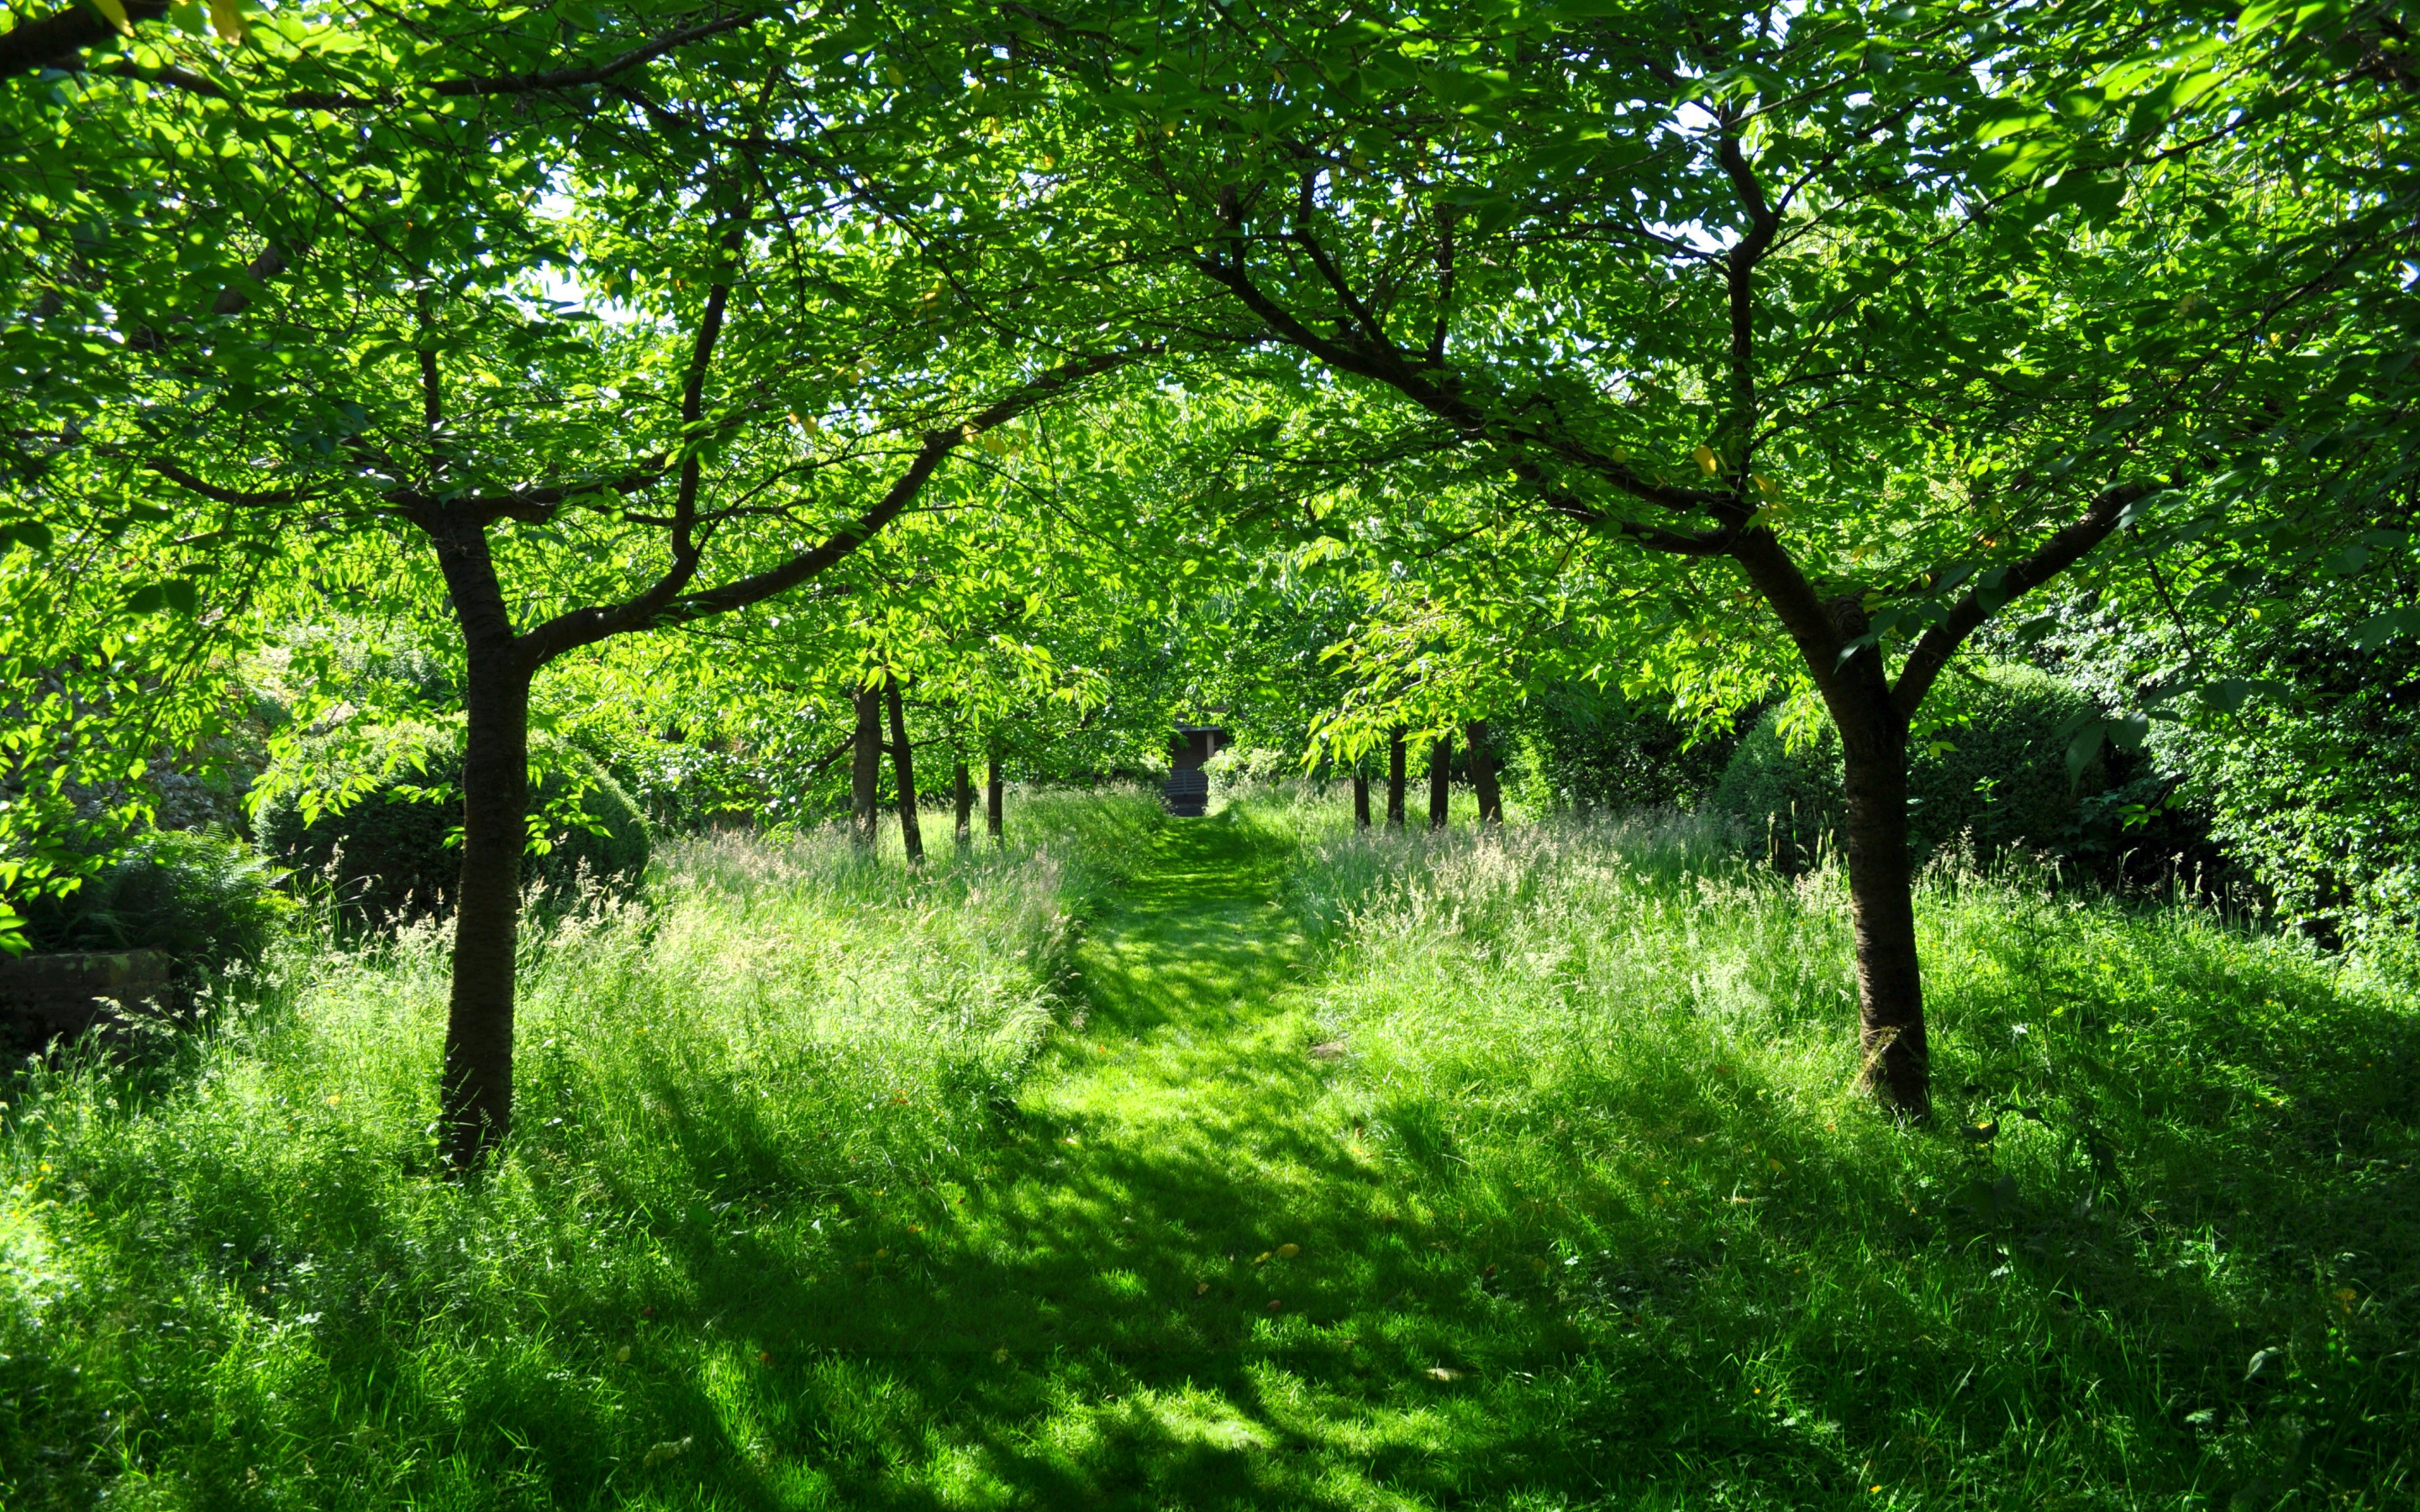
(244, 1271)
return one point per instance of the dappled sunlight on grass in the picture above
(1245, 1162)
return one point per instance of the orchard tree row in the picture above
(1388, 363)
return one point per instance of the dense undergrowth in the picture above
(1519, 1170)
(2163, 1251)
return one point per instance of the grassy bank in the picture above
(1243, 1163)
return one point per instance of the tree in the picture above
(1722, 286)
(786, 371)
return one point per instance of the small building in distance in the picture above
(1187, 792)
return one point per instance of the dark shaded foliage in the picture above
(390, 853)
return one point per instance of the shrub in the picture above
(206, 899)
(389, 848)
(1576, 748)
(1997, 770)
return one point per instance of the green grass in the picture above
(1019, 1186)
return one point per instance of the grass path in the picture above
(1179, 1282)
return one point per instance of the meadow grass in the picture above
(237, 1276)
(2162, 1250)
(1242, 1163)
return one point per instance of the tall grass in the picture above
(241, 1277)
(2162, 1250)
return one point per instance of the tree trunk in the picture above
(902, 769)
(1890, 985)
(1440, 777)
(866, 767)
(1483, 775)
(1395, 779)
(962, 800)
(1360, 798)
(475, 1088)
(993, 791)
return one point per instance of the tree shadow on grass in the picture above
(1179, 1279)
(1112, 1319)
(1077, 1312)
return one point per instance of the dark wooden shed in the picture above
(1187, 792)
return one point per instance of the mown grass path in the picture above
(1180, 1281)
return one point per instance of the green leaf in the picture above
(32, 534)
(2394, 624)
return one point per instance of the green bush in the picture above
(206, 899)
(1576, 747)
(1997, 771)
(389, 851)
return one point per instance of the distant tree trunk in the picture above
(865, 766)
(994, 788)
(903, 768)
(1440, 775)
(476, 1095)
(1395, 779)
(1483, 775)
(1361, 798)
(962, 799)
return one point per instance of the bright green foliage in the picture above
(1997, 773)
(372, 816)
(2297, 760)
(1585, 750)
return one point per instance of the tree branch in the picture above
(2000, 585)
(240, 497)
(1738, 279)
(537, 82)
(58, 40)
(582, 626)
